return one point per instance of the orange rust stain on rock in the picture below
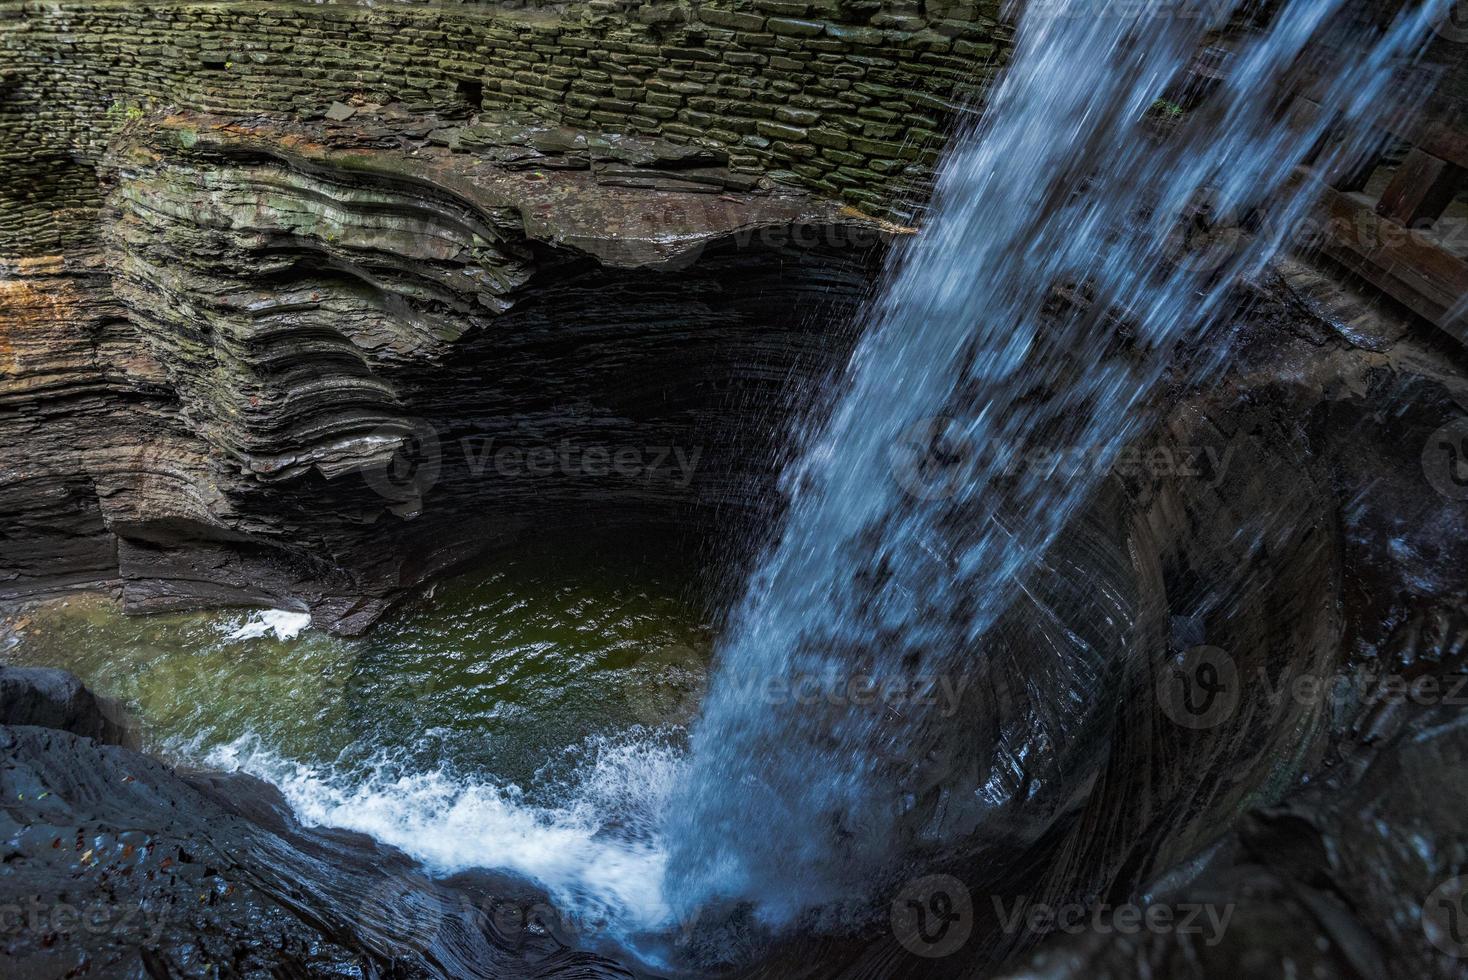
(30, 309)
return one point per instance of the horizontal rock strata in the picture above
(331, 360)
(847, 99)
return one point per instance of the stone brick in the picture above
(828, 138)
(731, 19)
(865, 36)
(790, 27)
(781, 131)
(798, 117)
(846, 93)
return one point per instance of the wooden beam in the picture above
(1420, 114)
(1421, 190)
(1401, 262)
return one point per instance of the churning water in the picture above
(526, 717)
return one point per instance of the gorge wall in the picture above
(305, 304)
(845, 98)
(258, 251)
(328, 362)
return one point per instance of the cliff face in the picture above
(286, 313)
(332, 360)
(76, 395)
(304, 304)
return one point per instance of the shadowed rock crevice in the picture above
(378, 358)
(1224, 549)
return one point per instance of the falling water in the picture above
(1040, 307)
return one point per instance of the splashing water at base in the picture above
(589, 833)
(286, 625)
(527, 718)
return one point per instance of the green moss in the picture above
(794, 63)
(120, 113)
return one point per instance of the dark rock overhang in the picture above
(300, 301)
(627, 201)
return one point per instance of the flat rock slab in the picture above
(628, 203)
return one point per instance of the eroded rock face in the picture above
(1234, 693)
(87, 421)
(358, 355)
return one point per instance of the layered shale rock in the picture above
(88, 421)
(345, 356)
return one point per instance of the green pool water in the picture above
(491, 675)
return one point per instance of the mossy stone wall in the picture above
(849, 99)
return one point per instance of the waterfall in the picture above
(1083, 229)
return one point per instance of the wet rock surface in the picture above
(116, 866)
(1262, 773)
(56, 699)
(317, 365)
(76, 394)
(1299, 517)
(320, 362)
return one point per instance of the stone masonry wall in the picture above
(848, 98)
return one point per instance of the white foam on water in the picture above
(592, 838)
(284, 623)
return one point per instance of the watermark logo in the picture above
(1445, 916)
(1451, 23)
(664, 687)
(673, 465)
(133, 922)
(412, 911)
(413, 467)
(934, 459)
(928, 460)
(1126, 918)
(933, 916)
(1445, 460)
(1199, 688)
(1202, 687)
(415, 459)
(936, 694)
